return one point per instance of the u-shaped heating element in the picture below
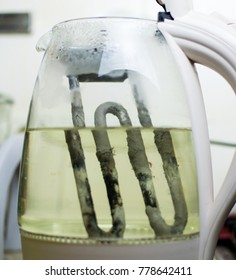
(107, 163)
(139, 162)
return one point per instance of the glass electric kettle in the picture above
(116, 156)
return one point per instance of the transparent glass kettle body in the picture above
(108, 154)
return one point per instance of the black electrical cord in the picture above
(161, 4)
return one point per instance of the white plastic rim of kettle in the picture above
(211, 42)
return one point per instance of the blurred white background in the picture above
(19, 61)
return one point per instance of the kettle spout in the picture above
(43, 42)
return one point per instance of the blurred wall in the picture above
(19, 61)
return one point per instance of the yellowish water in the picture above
(49, 208)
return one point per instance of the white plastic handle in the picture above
(211, 42)
(206, 40)
(178, 8)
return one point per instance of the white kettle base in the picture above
(44, 250)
